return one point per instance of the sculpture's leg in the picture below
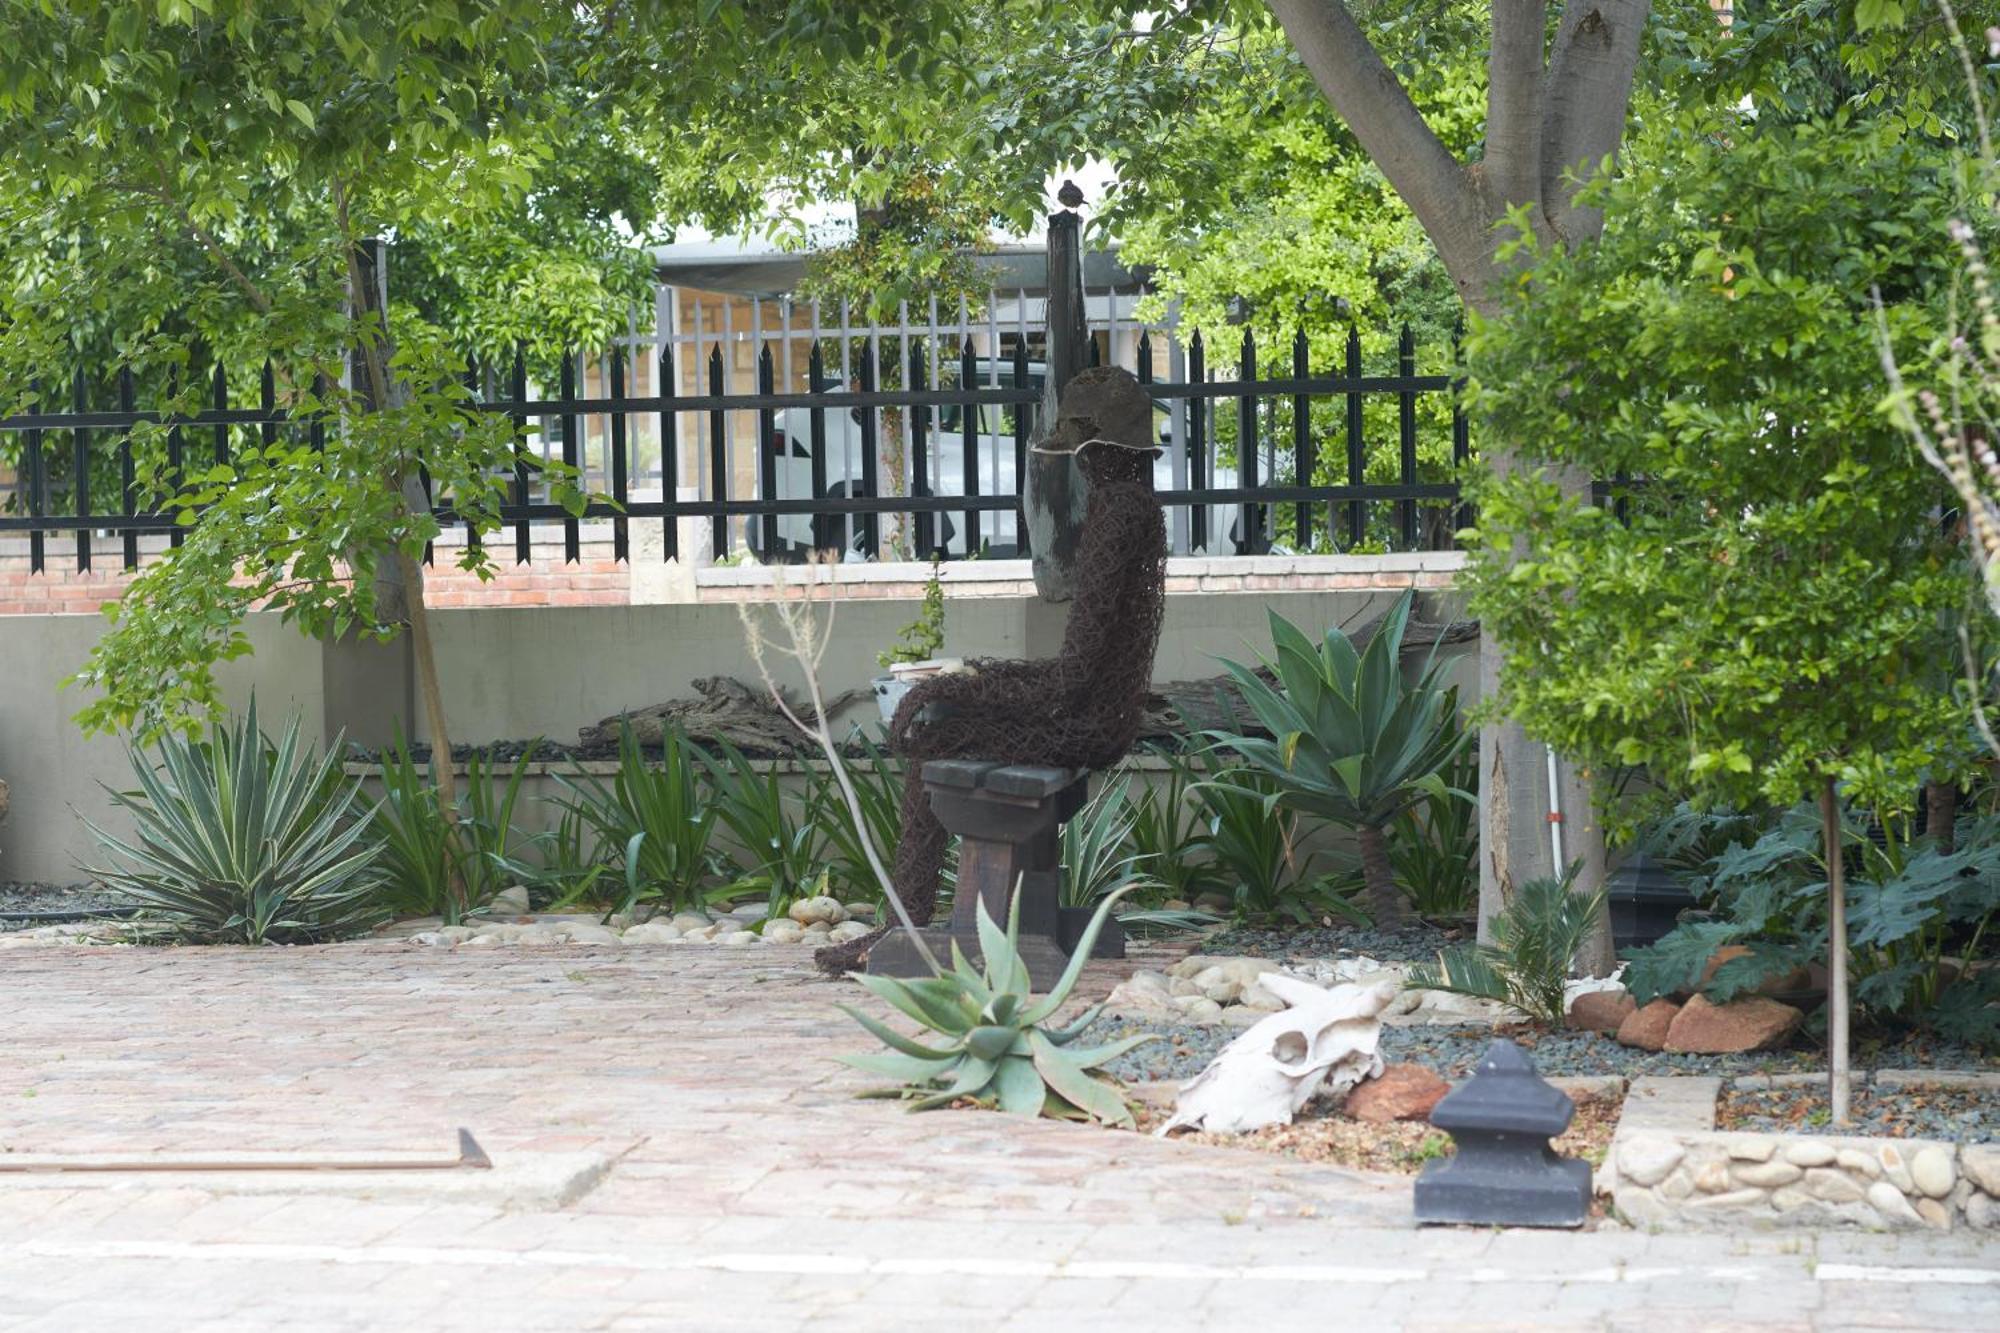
(919, 866)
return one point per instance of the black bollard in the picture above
(1504, 1173)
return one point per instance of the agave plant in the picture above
(995, 1048)
(1535, 937)
(239, 841)
(1350, 740)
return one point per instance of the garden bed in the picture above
(1968, 1114)
(1414, 943)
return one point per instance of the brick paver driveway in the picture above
(674, 1148)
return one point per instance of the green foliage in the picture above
(923, 637)
(1770, 607)
(1434, 845)
(238, 841)
(878, 789)
(782, 852)
(1251, 842)
(1535, 937)
(1350, 741)
(436, 867)
(996, 1048)
(653, 823)
(1098, 858)
(1914, 914)
(1164, 832)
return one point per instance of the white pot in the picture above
(890, 689)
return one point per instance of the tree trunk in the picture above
(1056, 490)
(1836, 950)
(1941, 814)
(1378, 879)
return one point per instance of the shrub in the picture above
(1434, 845)
(1253, 843)
(780, 852)
(239, 841)
(654, 824)
(1535, 938)
(878, 791)
(442, 868)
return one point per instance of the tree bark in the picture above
(1378, 878)
(1836, 950)
(1941, 814)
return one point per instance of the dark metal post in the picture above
(1249, 517)
(621, 542)
(767, 454)
(1302, 441)
(80, 465)
(718, 455)
(1406, 420)
(128, 481)
(517, 389)
(670, 456)
(572, 450)
(1055, 493)
(1357, 452)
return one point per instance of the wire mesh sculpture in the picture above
(1082, 708)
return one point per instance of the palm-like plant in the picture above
(781, 852)
(1350, 740)
(243, 842)
(1535, 938)
(655, 822)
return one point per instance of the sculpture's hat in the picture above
(1103, 405)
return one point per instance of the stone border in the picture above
(1670, 1168)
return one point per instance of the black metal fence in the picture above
(1244, 465)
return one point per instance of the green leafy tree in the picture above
(1752, 621)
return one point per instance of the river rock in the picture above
(1831, 1186)
(688, 922)
(806, 911)
(1887, 1200)
(1809, 1152)
(1198, 1008)
(1753, 1023)
(1645, 1159)
(736, 939)
(1602, 1011)
(1896, 1167)
(849, 930)
(1860, 1163)
(1983, 1212)
(510, 901)
(1931, 1171)
(1981, 1164)
(783, 931)
(1399, 1092)
(1647, 1027)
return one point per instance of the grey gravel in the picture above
(1418, 942)
(1452, 1051)
(1969, 1115)
(58, 901)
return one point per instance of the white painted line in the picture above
(837, 1265)
(1963, 1277)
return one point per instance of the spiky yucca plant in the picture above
(239, 841)
(995, 1048)
(1535, 937)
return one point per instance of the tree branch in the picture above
(1589, 84)
(1514, 90)
(202, 237)
(1366, 95)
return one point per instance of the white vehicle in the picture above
(944, 440)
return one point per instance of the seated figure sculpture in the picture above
(1081, 708)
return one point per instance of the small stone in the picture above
(1808, 1152)
(1399, 1092)
(510, 901)
(1260, 1000)
(1602, 1011)
(592, 933)
(1731, 1199)
(458, 934)
(1647, 1027)
(783, 932)
(849, 930)
(1199, 1008)
(1645, 1159)
(1789, 1199)
(1182, 987)
(806, 911)
(738, 938)
(1752, 1148)
(1936, 1216)
(1677, 1186)
(688, 922)
(1982, 1211)
(1895, 1167)
(1930, 1171)
(431, 939)
(1766, 1175)
(1712, 1177)
(651, 932)
(818, 930)
(1887, 1200)
(482, 942)
(1832, 1186)
(1860, 1163)
(1236, 1016)
(1753, 1023)
(859, 911)
(1981, 1164)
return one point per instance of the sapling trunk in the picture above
(1378, 877)
(1836, 951)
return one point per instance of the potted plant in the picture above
(913, 656)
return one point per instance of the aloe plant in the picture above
(1350, 740)
(996, 1048)
(239, 841)
(654, 823)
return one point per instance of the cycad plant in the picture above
(239, 841)
(1350, 740)
(1535, 938)
(995, 1049)
(654, 823)
(1252, 845)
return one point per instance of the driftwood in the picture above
(724, 711)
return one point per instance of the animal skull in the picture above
(1325, 1038)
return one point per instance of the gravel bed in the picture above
(1969, 1115)
(1452, 1051)
(65, 900)
(1415, 943)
